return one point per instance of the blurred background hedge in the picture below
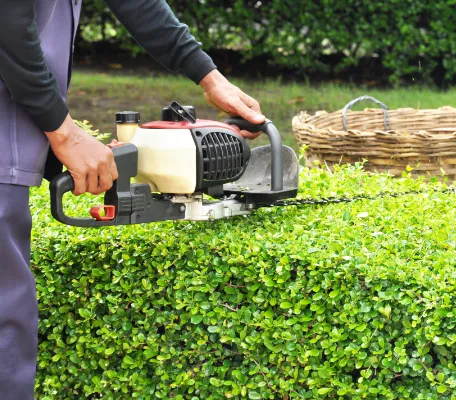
(400, 40)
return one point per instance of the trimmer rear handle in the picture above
(125, 203)
(126, 158)
(62, 184)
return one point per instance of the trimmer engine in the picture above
(182, 155)
(176, 160)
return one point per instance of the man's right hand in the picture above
(90, 162)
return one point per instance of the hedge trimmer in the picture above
(178, 160)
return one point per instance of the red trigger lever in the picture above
(109, 213)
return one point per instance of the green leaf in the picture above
(84, 313)
(441, 389)
(386, 311)
(127, 360)
(214, 382)
(127, 325)
(110, 351)
(440, 341)
(387, 363)
(196, 319)
(430, 376)
(268, 281)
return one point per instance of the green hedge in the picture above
(408, 40)
(349, 301)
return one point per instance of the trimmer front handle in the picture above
(276, 146)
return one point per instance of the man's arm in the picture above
(154, 26)
(23, 67)
(157, 30)
(25, 73)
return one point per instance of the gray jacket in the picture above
(35, 67)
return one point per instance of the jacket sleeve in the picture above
(154, 26)
(23, 68)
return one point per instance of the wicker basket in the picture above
(389, 140)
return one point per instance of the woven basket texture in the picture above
(424, 140)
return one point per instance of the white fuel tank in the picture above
(166, 157)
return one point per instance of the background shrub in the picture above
(349, 301)
(404, 40)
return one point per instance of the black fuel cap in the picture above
(128, 117)
(175, 113)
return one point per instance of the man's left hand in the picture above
(229, 98)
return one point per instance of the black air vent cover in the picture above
(222, 156)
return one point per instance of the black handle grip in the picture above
(276, 146)
(126, 158)
(60, 185)
(245, 125)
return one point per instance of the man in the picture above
(37, 136)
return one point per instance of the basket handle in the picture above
(362, 98)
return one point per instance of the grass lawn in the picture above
(97, 96)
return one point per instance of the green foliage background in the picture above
(347, 301)
(408, 38)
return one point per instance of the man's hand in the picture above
(90, 162)
(226, 97)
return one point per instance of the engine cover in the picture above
(222, 157)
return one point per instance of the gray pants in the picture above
(18, 305)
